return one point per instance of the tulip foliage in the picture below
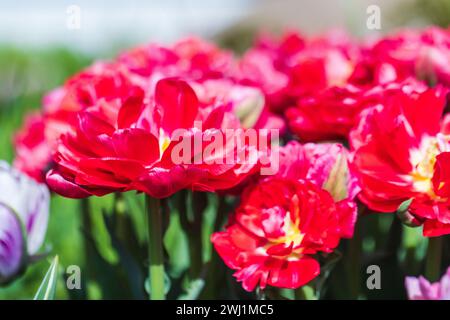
(256, 172)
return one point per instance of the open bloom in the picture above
(105, 82)
(331, 110)
(282, 222)
(402, 153)
(204, 66)
(191, 57)
(327, 89)
(421, 53)
(421, 289)
(141, 147)
(209, 70)
(24, 207)
(287, 68)
(247, 104)
(332, 113)
(30, 143)
(278, 228)
(111, 82)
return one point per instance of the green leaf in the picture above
(135, 204)
(176, 243)
(102, 238)
(330, 261)
(47, 288)
(209, 218)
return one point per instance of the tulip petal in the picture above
(30, 200)
(177, 103)
(64, 187)
(11, 243)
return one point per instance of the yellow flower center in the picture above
(164, 142)
(423, 160)
(292, 234)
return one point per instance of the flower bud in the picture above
(406, 217)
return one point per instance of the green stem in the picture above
(434, 256)
(196, 255)
(120, 219)
(410, 242)
(221, 213)
(88, 246)
(197, 202)
(354, 263)
(155, 248)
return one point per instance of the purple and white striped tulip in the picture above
(24, 210)
(421, 289)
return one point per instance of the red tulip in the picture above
(421, 53)
(401, 153)
(133, 148)
(322, 82)
(30, 143)
(278, 228)
(331, 98)
(36, 140)
(287, 68)
(208, 69)
(332, 113)
(285, 219)
(210, 72)
(192, 58)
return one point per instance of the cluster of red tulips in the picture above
(355, 128)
